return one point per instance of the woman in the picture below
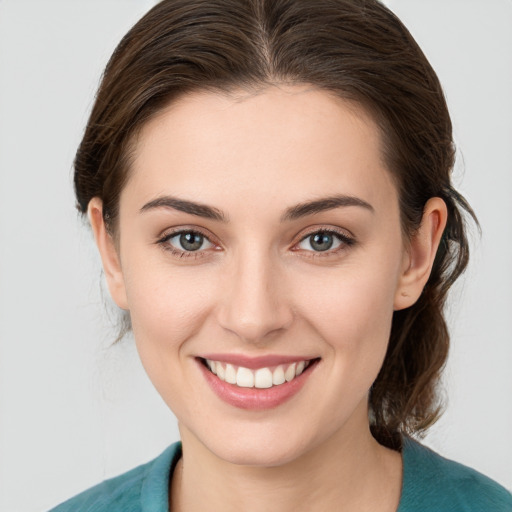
(268, 184)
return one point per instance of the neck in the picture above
(349, 471)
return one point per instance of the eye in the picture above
(186, 241)
(324, 240)
(190, 241)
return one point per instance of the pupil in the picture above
(322, 241)
(191, 241)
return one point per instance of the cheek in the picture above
(168, 308)
(167, 305)
(352, 307)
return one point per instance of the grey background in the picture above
(73, 410)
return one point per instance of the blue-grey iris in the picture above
(191, 241)
(322, 241)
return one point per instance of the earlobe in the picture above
(421, 254)
(108, 252)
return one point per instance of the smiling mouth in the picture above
(260, 378)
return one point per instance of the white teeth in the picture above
(263, 378)
(278, 376)
(244, 378)
(289, 374)
(221, 371)
(230, 374)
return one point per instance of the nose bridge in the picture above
(255, 303)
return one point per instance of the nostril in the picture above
(252, 303)
(257, 323)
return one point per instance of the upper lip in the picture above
(254, 363)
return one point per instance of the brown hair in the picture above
(358, 50)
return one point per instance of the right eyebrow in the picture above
(191, 207)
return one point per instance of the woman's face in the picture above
(261, 232)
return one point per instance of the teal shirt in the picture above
(431, 483)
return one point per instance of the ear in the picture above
(421, 253)
(108, 252)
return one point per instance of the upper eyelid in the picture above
(172, 232)
(344, 233)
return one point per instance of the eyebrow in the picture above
(191, 207)
(293, 213)
(323, 204)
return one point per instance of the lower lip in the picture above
(255, 398)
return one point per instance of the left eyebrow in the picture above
(323, 204)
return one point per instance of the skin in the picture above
(260, 288)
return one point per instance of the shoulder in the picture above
(142, 488)
(433, 483)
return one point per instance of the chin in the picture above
(262, 446)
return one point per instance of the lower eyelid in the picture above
(184, 254)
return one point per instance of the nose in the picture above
(255, 305)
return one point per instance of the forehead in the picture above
(289, 143)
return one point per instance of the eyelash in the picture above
(346, 242)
